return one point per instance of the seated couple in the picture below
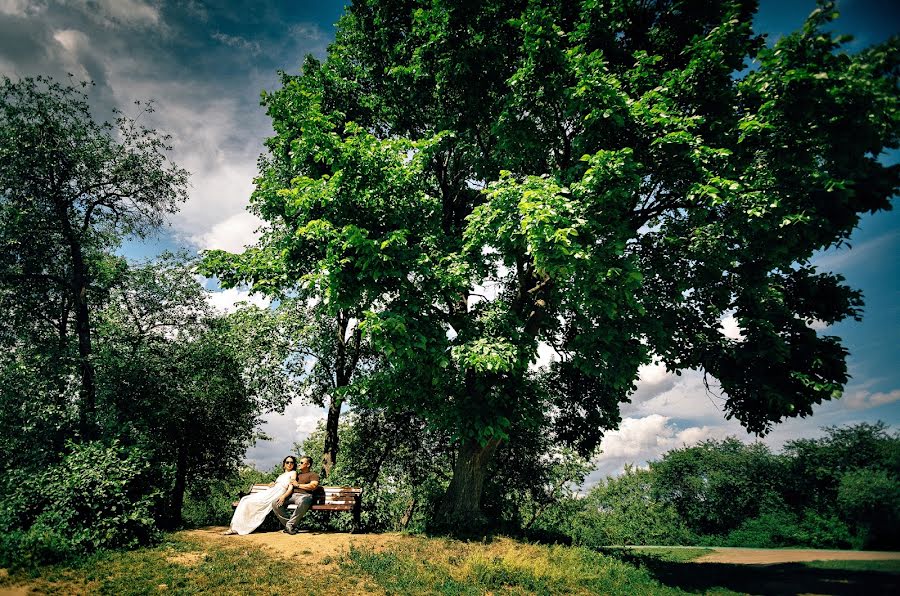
(291, 486)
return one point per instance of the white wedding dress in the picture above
(253, 509)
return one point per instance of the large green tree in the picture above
(70, 188)
(605, 177)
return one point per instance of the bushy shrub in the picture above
(623, 510)
(99, 496)
(779, 527)
(870, 499)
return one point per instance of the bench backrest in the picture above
(325, 495)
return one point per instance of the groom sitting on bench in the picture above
(306, 484)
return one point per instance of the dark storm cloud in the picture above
(204, 65)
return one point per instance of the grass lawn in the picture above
(182, 565)
(185, 564)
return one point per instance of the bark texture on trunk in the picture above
(329, 453)
(460, 509)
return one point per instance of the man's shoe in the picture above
(291, 532)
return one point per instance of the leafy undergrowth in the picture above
(182, 565)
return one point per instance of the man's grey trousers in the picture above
(289, 519)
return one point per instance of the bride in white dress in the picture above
(253, 509)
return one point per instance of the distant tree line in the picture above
(838, 491)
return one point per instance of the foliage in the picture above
(400, 465)
(98, 496)
(715, 485)
(176, 404)
(623, 510)
(71, 188)
(779, 527)
(837, 491)
(209, 503)
(853, 473)
(473, 182)
(182, 382)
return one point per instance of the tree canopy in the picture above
(70, 188)
(606, 178)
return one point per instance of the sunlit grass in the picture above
(178, 566)
(442, 566)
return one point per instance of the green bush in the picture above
(99, 496)
(780, 527)
(623, 510)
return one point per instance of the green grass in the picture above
(415, 565)
(503, 566)
(881, 566)
(177, 566)
(185, 564)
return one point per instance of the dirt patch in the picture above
(762, 556)
(317, 547)
(187, 559)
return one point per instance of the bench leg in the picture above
(356, 520)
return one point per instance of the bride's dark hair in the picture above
(289, 457)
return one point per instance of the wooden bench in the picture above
(325, 498)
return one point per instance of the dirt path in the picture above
(321, 545)
(758, 556)
(306, 544)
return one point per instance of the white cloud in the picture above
(74, 43)
(545, 355)
(681, 397)
(639, 440)
(293, 426)
(818, 325)
(227, 300)
(863, 398)
(636, 436)
(21, 8)
(238, 42)
(730, 328)
(232, 234)
(652, 374)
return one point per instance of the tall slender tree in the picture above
(70, 188)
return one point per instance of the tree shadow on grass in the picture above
(780, 578)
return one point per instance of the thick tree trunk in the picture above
(329, 453)
(176, 503)
(460, 509)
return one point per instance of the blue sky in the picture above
(205, 64)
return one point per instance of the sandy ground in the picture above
(319, 545)
(313, 545)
